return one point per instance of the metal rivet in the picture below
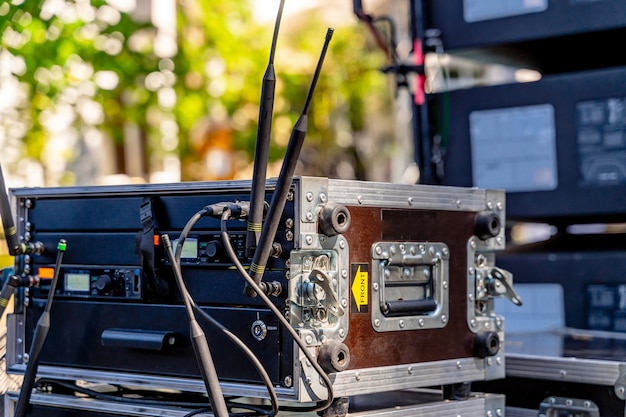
(309, 196)
(410, 200)
(309, 339)
(444, 319)
(344, 273)
(375, 286)
(458, 364)
(359, 199)
(377, 323)
(323, 197)
(401, 324)
(357, 376)
(421, 322)
(342, 244)
(309, 216)
(308, 239)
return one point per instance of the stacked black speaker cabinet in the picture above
(556, 145)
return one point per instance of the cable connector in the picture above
(238, 210)
(27, 248)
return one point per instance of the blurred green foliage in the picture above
(57, 53)
(62, 48)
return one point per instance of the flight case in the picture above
(564, 372)
(389, 286)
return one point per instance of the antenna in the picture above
(10, 232)
(285, 178)
(15, 248)
(257, 193)
(39, 339)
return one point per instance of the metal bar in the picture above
(588, 371)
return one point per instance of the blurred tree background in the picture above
(95, 89)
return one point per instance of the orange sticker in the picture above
(46, 273)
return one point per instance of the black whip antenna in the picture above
(261, 153)
(10, 232)
(39, 339)
(16, 247)
(285, 178)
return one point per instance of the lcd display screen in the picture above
(76, 282)
(190, 248)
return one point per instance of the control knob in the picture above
(213, 248)
(104, 283)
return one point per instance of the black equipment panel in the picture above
(557, 146)
(531, 33)
(589, 268)
(154, 339)
(117, 307)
